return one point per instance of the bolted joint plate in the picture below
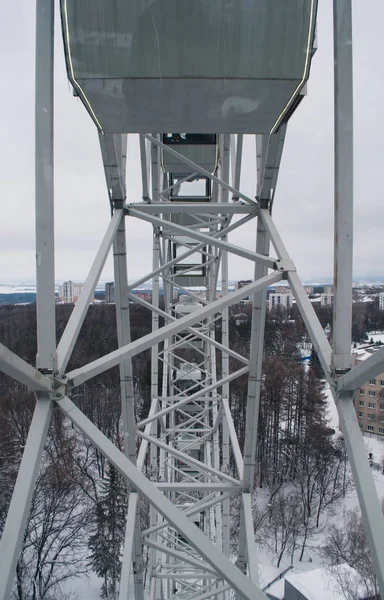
(59, 386)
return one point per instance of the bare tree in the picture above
(347, 543)
(54, 545)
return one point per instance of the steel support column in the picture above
(342, 311)
(45, 263)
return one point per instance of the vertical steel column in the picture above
(223, 197)
(154, 516)
(45, 301)
(343, 251)
(246, 534)
(128, 414)
(342, 320)
(45, 264)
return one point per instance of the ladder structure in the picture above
(222, 69)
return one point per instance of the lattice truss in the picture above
(189, 464)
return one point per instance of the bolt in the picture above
(58, 395)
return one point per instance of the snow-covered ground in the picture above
(86, 588)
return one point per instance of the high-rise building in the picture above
(70, 291)
(381, 300)
(110, 292)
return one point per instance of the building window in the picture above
(371, 416)
(372, 382)
(381, 382)
(361, 415)
(361, 392)
(381, 429)
(371, 405)
(361, 425)
(371, 428)
(361, 403)
(372, 394)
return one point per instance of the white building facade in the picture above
(280, 300)
(70, 291)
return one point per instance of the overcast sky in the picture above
(304, 201)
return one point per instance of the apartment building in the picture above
(109, 292)
(369, 399)
(381, 301)
(70, 291)
(326, 299)
(280, 300)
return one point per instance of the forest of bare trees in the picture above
(77, 519)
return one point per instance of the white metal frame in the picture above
(185, 561)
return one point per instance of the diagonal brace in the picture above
(221, 564)
(112, 359)
(16, 367)
(372, 366)
(69, 337)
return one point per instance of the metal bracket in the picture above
(59, 386)
(279, 266)
(337, 374)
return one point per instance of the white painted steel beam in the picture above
(343, 264)
(183, 400)
(44, 194)
(16, 367)
(259, 301)
(145, 167)
(197, 248)
(195, 208)
(112, 359)
(343, 223)
(200, 506)
(250, 538)
(128, 417)
(256, 361)
(72, 329)
(236, 156)
(114, 154)
(203, 237)
(203, 468)
(128, 553)
(196, 333)
(176, 518)
(267, 179)
(233, 437)
(182, 556)
(16, 522)
(315, 330)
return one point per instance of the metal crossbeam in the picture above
(203, 237)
